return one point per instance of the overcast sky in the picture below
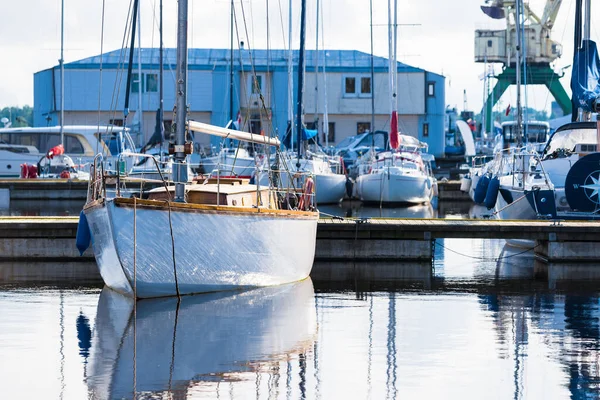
(441, 40)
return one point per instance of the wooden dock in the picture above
(52, 238)
(54, 189)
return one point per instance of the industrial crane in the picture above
(500, 46)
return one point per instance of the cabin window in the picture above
(151, 82)
(350, 86)
(431, 89)
(362, 127)
(426, 129)
(115, 122)
(365, 85)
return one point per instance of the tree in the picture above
(18, 116)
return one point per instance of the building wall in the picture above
(411, 93)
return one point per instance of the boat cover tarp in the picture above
(586, 76)
(308, 134)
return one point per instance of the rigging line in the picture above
(282, 24)
(134, 297)
(487, 258)
(100, 76)
(253, 67)
(119, 80)
(173, 246)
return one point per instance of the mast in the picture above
(325, 111)
(130, 64)
(300, 79)
(231, 69)
(161, 110)
(372, 78)
(316, 59)
(62, 71)
(290, 79)
(519, 12)
(140, 113)
(181, 102)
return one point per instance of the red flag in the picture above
(394, 142)
(507, 110)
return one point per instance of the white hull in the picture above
(218, 335)
(213, 250)
(387, 187)
(329, 188)
(10, 163)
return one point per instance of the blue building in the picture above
(95, 92)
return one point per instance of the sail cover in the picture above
(308, 133)
(586, 76)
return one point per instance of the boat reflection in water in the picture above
(356, 209)
(177, 346)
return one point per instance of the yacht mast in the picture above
(372, 78)
(161, 110)
(300, 79)
(290, 79)
(130, 64)
(62, 72)
(325, 110)
(140, 112)
(231, 69)
(181, 102)
(518, 21)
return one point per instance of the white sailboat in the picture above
(330, 181)
(400, 175)
(214, 236)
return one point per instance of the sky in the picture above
(437, 35)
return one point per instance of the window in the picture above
(330, 133)
(256, 83)
(365, 85)
(115, 122)
(151, 82)
(426, 129)
(73, 145)
(489, 43)
(431, 89)
(135, 83)
(255, 124)
(362, 127)
(350, 87)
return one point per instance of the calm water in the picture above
(484, 321)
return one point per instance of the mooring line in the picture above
(487, 258)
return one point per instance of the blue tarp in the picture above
(586, 76)
(308, 133)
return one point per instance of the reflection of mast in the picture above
(391, 348)
(370, 360)
(302, 374)
(61, 349)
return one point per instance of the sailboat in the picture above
(402, 174)
(192, 238)
(563, 182)
(330, 181)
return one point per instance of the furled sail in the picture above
(585, 80)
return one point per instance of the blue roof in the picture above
(219, 58)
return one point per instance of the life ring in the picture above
(307, 193)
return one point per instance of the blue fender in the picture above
(84, 236)
(492, 193)
(481, 189)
